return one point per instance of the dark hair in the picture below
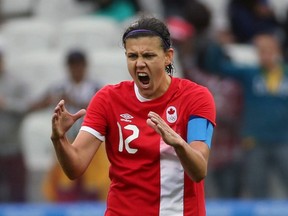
(76, 56)
(150, 27)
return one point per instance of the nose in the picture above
(140, 63)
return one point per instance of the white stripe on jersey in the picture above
(93, 132)
(171, 182)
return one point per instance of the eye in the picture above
(149, 56)
(132, 56)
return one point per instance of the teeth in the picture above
(142, 74)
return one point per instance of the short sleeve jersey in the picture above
(146, 175)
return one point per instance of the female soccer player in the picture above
(157, 131)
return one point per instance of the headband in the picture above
(137, 31)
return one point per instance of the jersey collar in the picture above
(139, 96)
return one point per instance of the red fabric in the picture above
(135, 177)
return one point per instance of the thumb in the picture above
(79, 114)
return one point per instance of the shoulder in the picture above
(109, 95)
(198, 99)
(188, 87)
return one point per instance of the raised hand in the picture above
(169, 136)
(62, 120)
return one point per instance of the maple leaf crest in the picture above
(171, 111)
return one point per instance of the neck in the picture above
(164, 87)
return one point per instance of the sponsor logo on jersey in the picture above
(126, 117)
(171, 114)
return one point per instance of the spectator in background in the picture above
(226, 155)
(264, 125)
(193, 11)
(119, 10)
(189, 25)
(248, 18)
(173, 8)
(225, 158)
(13, 106)
(285, 32)
(77, 91)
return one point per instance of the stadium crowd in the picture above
(238, 50)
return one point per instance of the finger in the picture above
(59, 105)
(54, 117)
(57, 109)
(153, 125)
(154, 120)
(159, 121)
(160, 129)
(153, 114)
(154, 117)
(79, 114)
(60, 108)
(62, 105)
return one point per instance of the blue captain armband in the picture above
(199, 129)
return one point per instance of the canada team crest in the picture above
(171, 114)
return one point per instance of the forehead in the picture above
(148, 42)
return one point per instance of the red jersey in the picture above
(146, 175)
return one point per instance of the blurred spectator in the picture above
(173, 8)
(77, 91)
(198, 14)
(226, 155)
(264, 126)
(193, 11)
(13, 106)
(248, 18)
(285, 31)
(224, 162)
(120, 10)
(189, 25)
(190, 32)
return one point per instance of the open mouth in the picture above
(143, 78)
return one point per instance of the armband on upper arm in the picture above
(199, 129)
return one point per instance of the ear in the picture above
(169, 54)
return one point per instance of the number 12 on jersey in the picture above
(125, 143)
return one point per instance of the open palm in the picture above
(169, 136)
(62, 120)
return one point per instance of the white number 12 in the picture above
(129, 139)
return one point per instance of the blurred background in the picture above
(69, 49)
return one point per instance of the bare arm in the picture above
(193, 156)
(74, 158)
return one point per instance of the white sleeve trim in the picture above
(93, 132)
